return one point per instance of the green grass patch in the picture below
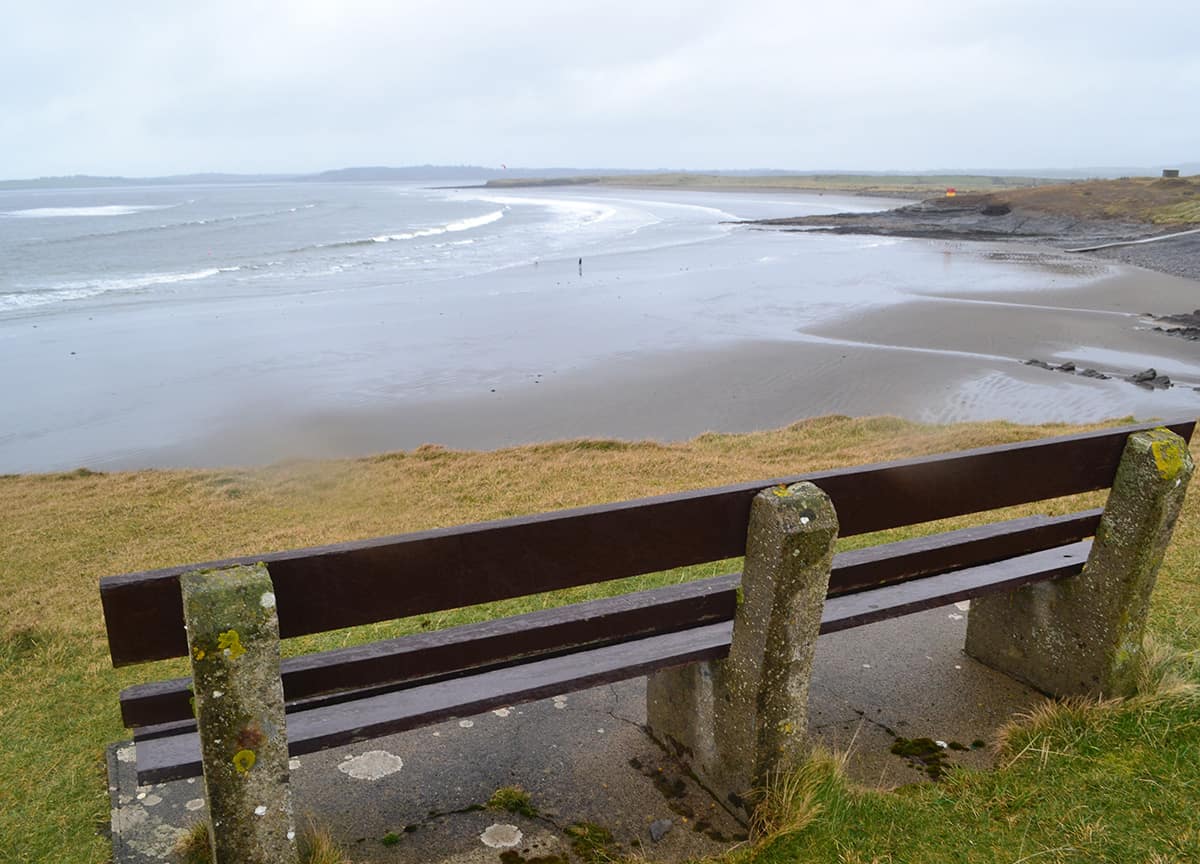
(512, 799)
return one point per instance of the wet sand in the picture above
(938, 359)
(749, 330)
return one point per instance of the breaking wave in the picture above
(98, 210)
(84, 288)
(449, 228)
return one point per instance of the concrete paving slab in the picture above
(585, 758)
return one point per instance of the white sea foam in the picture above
(460, 225)
(579, 212)
(99, 210)
(84, 288)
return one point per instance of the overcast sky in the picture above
(143, 88)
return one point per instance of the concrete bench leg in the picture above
(1083, 635)
(737, 721)
(233, 638)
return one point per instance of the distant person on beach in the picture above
(580, 266)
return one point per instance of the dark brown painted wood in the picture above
(952, 550)
(487, 644)
(892, 601)
(174, 757)
(170, 757)
(392, 663)
(348, 584)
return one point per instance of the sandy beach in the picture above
(739, 330)
(937, 359)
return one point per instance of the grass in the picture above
(512, 799)
(1112, 781)
(314, 844)
(1160, 201)
(1130, 771)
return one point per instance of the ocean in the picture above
(143, 326)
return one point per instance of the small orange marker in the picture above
(951, 192)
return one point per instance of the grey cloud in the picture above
(145, 88)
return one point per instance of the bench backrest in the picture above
(331, 587)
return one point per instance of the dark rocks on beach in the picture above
(1069, 367)
(1192, 334)
(1150, 379)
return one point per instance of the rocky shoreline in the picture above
(984, 217)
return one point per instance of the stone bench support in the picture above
(735, 722)
(233, 638)
(1083, 635)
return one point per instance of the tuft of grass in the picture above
(593, 843)
(790, 801)
(314, 844)
(514, 799)
(193, 846)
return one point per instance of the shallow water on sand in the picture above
(204, 325)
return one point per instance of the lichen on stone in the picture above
(244, 760)
(1168, 456)
(231, 644)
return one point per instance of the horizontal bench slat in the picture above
(177, 756)
(489, 643)
(953, 550)
(331, 587)
(690, 604)
(171, 757)
(892, 601)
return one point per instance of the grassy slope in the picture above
(1144, 199)
(58, 693)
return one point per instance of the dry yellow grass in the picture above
(1159, 201)
(62, 532)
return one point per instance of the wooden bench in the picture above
(351, 694)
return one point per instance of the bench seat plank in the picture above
(499, 642)
(175, 756)
(348, 584)
(391, 663)
(892, 601)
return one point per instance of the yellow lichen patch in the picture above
(244, 760)
(231, 643)
(1168, 457)
(198, 653)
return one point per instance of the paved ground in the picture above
(584, 759)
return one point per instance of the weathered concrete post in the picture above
(737, 721)
(233, 637)
(1083, 635)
